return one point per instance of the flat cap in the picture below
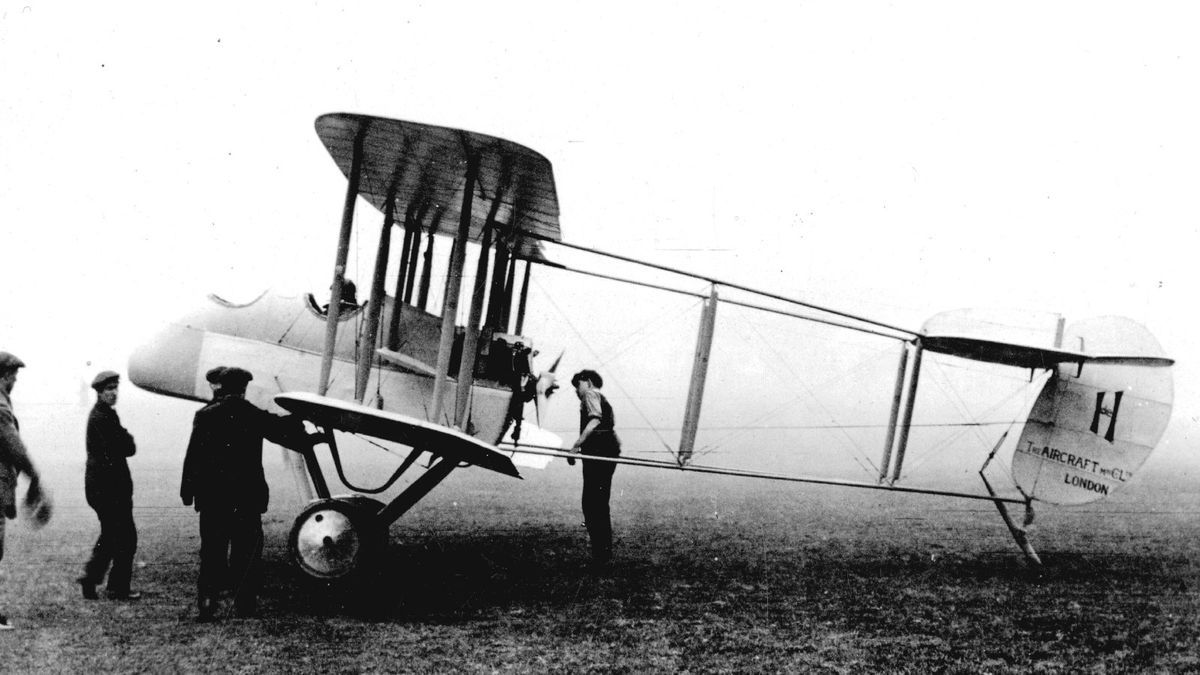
(9, 361)
(105, 378)
(236, 377)
(214, 376)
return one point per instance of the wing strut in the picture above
(370, 334)
(470, 345)
(414, 255)
(458, 255)
(691, 413)
(427, 268)
(910, 404)
(524, 297)
(339, 266)
(897, 395)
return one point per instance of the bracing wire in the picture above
(295, 318)
(642, 333)
(943, 383)
(808, 390)
(752, 424)
(632, 339)
(941, 446)
(587, 345)
(1030, 393)
(954, 397)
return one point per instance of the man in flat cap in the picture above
(223, 477)
(14, 459)
(597, 438)
(214, 380)
(109, 491)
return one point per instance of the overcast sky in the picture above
(891, 159)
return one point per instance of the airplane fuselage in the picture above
(279, 339)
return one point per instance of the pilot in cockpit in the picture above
(349, 295)
(348, 302)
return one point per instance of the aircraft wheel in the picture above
(338, 539)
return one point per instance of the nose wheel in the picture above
(338, 539)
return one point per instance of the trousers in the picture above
(230, 555)
(115, 546)
(597, 487)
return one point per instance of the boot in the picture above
(207, 609)
(88, 587)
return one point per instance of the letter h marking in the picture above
(1112, 414)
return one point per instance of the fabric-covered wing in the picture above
(424, 166)
(435, 439)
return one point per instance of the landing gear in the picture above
(339, 539)
(1018, 532)
(342, 540)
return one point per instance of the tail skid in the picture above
(1018, 532)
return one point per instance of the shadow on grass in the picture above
(436, 578)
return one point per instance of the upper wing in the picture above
(421, 167)
(433, 438)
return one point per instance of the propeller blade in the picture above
(548, 383)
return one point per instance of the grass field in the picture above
(712, 574)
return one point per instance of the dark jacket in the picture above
(223, 466)
(106, 479)
(14, 459)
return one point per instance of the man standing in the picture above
(223, 477)
(14, 459)
(109, 491)
(597, 438)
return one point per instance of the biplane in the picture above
(445, 389)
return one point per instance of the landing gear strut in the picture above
(344, 539)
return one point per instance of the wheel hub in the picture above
(327, 543)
